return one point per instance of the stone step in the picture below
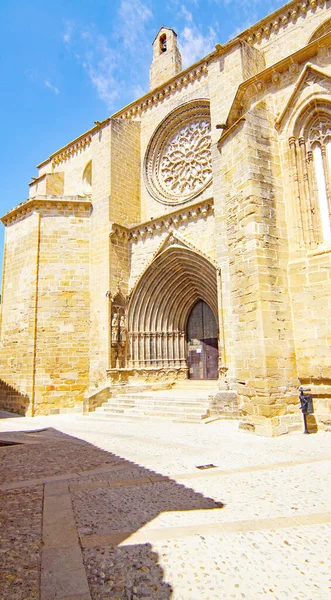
(152, 401)
(155, 409)
(125, 416)
(171, 397)
(180, 405)
(154, 404)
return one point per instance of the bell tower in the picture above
(167, 60)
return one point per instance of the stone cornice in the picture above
(307, 71)
(135, 108)
(164, 223)
(45, 203)
(273, 23)
(161, 93)
(273, 75)
(37, 179)
(279, 19)
(76, 146)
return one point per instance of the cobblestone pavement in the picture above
(118, 510)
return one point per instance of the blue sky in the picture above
(67, 63)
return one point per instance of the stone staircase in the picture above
(188, 402)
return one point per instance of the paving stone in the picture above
(257, 526)
(20, 543)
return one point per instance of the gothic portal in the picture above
(185, 237)
(160, 306)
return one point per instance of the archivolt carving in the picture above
(178, 158)
(160, 305)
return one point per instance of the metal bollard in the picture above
(306, 405)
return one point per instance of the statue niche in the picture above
(118, 331)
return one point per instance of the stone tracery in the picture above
(320, 130)
(186, 163)
(178, 159)
(310, 151)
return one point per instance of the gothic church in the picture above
(187, 237)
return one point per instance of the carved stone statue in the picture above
(123, 331)
(114, 328)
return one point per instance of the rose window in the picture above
(178, 159)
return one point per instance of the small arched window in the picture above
(87, 179)
(310, 151)
(319, 141)
(163, 43)
(321, 30)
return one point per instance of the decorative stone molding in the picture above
(119, 232)
(67, 204)
(174, 220)
(71, 150)
(281, 72)
(279, 20)
(320, 131)
(272, 24)
(177, 164)
(148, 374)
(161, 94)
(310, 74)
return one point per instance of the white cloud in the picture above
(97, 58)
(186, 14)
(99, 62)
(32, 74)
(133, 14)
(138, 91)
(105, 60)
(51, 87)
(194, 44)
(68, 32)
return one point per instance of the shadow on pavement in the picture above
(112, 499)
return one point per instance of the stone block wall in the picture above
(288, 29)
(197, 229)
(125, 172)
(63, 261)
(257, 245)
(19, 306)
(45, 332)
(310, 288)
(68, 164)
(62, 331)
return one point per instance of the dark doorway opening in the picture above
(202, 340)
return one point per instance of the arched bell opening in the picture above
(202, 342)
(160, 306)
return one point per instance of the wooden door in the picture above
(202, 339)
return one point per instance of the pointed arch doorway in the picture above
(202, 342)
(177, 287)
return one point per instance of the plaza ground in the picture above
(119, 510)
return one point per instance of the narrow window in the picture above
(319, 136)
(163, 43)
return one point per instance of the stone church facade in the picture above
(187, 236)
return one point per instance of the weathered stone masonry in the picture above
(215, 186)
